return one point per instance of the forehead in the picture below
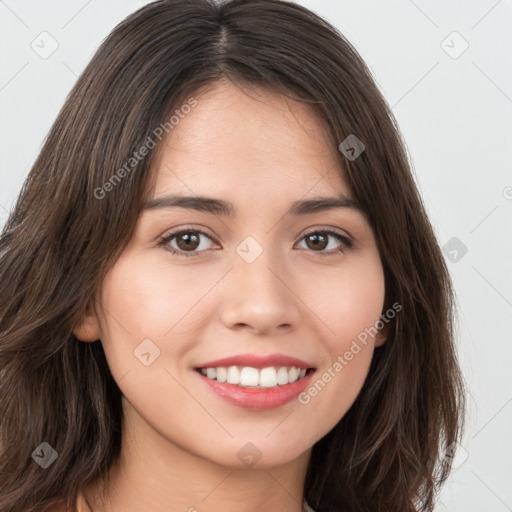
(248, 143)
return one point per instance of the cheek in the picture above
(334, 389)
(350, 304)
(147, 299)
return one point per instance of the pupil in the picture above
(188, 238)
(316, 239)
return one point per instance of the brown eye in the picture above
(187, 242)
(318, 241)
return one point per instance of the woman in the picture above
(220, 287)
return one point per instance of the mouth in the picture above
(258, 378)
(256, 382)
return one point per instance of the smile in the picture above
(255, 381)
(247, 376)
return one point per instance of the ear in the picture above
(383, 334)
(88, 327)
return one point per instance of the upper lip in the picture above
(257, 361)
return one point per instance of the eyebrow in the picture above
(228, 209)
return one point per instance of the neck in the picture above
(155, 474)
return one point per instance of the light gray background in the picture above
(456, 116)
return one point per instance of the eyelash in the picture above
(346, 243)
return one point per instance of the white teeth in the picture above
(247, 376)
(222, 374)
(282, 376)
(293, 374)
(268, 378)
(233, 376)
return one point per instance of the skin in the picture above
(180, 440)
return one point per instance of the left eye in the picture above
(318, 238)
(189, 240)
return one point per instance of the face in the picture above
(266, 301)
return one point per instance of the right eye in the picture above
(186, 239)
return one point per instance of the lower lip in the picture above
(258, 398)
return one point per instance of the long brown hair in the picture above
(387, 452)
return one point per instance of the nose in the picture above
(260, 295)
